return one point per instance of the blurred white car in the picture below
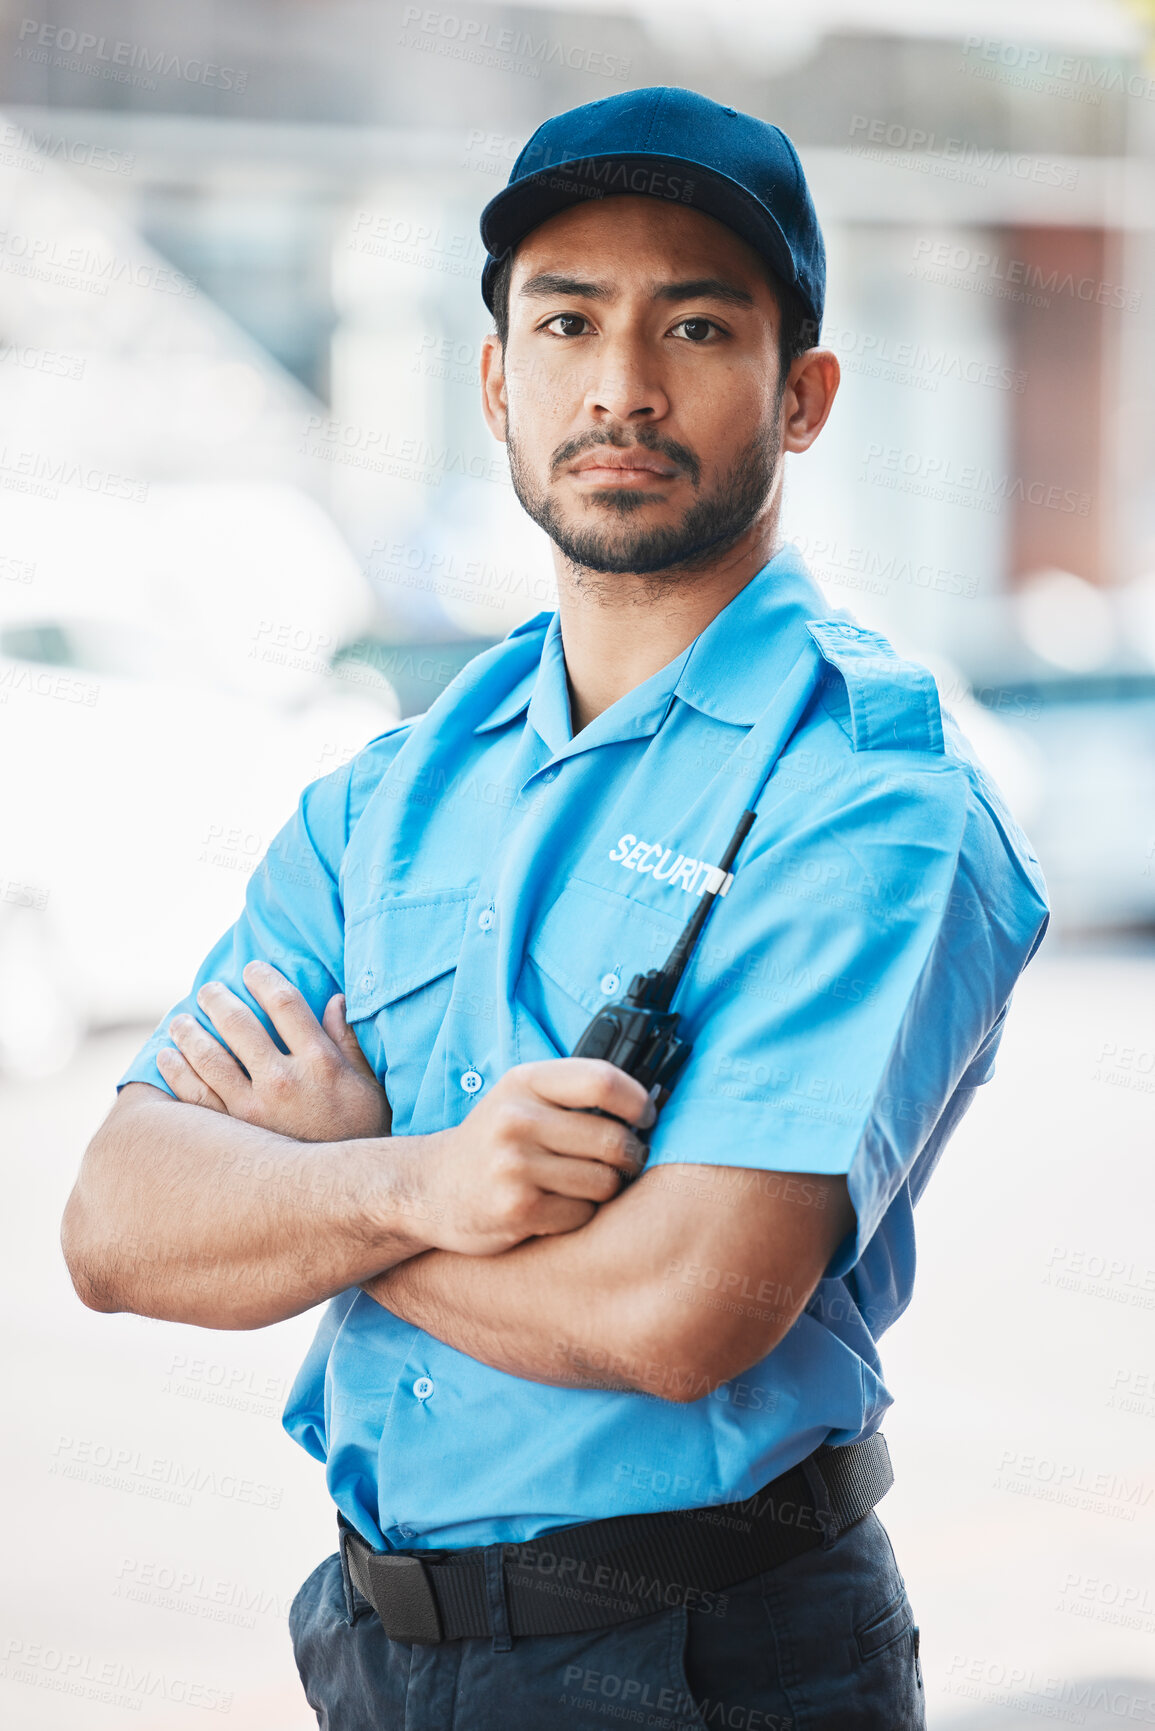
(167, 688)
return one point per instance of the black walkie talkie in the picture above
(640, 1035)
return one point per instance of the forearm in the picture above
(579, 1310)
(194, 1216)
(627, 1301)
(522, 1312)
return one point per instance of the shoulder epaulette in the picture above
(881, 701)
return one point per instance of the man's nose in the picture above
(625, 384)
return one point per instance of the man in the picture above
(569, 1331)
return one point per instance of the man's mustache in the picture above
(671, 449)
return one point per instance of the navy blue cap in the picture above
(673, 144)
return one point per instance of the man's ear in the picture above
(811, 386)
(494, 403)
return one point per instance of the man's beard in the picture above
(709, 528)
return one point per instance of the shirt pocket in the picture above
(400, 959)
(590, 943)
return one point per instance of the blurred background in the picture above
(250, 514)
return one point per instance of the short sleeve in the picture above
(856, 981)
(292, 917)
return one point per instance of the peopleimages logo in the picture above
(694, 876)
(953, 158)
(1016, 279)
(123, 61)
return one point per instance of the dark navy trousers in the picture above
(826, 1642)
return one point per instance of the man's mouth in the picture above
(610, 463)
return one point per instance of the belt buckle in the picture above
(399, 1588)
(404, 1597)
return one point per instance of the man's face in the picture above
(643, 330)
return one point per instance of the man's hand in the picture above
(322, 1090)
(525, 1164)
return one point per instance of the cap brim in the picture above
(520, 208)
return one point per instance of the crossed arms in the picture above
(529, 1237)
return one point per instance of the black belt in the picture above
(602, 1572)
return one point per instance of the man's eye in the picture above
(697, 329)
(565, 318)
(702, 326)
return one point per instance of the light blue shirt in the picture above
(478, 882)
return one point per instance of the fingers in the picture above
(290, 1014)
(244, 1033)
(586, 1137)
(285, 1007)
(588, 1082)
(585, 1180)
(217, 1069)
(184, 1081)
(343, 1037)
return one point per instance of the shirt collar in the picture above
(511, 705)
(520, 692)
(729, 672)
(737, 663)
(636, 713)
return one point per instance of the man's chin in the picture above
(615, 551)
(628, 545)
(636, 556)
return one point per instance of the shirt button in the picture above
(471, 1081)
(610, 984)
(485, 919)
(423, 1388)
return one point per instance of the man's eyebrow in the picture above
(547, 284)
(713, 288)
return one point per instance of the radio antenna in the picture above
(771, 733)
(657, 988)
